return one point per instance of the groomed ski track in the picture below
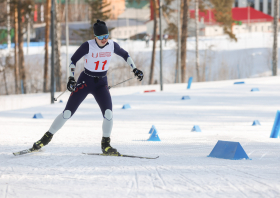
(223, 111)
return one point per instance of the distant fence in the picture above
(31, 44)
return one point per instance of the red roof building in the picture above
(247, 20)
(247, 14)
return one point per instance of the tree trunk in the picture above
(184, 37)
(179, 33)
(20, 50)
(16, 72)
(196, 40)
(57, 37)
(5, 81)
(47, 35)
(166, 17)
(155, 8)
(275, 32)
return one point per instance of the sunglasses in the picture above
(102, 37)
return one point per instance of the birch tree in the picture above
(57, 36)
(16, 70)
(275, 37)
(47, 36)
(196, 40)
(184, 37)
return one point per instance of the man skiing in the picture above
(98, 53)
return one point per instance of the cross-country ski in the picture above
(121, 155)
(31, 150)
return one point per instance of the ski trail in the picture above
(230, 182)
(263, 155)
(235, 187)
(245, 173)
(159, 175)
(130, 188)
(6, 191)
(132, 183)
(66, 161)
(136, 178)
(252, 177)
(245, 182)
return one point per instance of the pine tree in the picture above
(24, 8)
(223, 15)
(99, 10)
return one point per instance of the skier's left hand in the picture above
(138, 73)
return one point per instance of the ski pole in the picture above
(120, 82)
(55, 99)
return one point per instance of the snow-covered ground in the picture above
(223, 111)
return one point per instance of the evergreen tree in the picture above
(98, 10)
(223, 15)
(23, 8)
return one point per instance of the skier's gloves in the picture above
(138, 73)
(71, 84)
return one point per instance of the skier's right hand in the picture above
(71, 84)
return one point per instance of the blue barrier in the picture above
(37, 115)
(256, 122)
(196, 128)
(154, 136)
(255, 89)
(152, 128)
(228, 150)
(126, 106)
(31, 44)
(276, 127)
(186, 98)
(189, 82)
(239, 82)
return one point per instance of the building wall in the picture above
(78, 12)
(215, 30)
(126, 32)
(117, 7)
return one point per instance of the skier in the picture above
(98, 53)
(165, 37)
(147, 39)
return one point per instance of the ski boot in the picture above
(43, 141)
(106, 147)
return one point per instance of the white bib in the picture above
(97, 59)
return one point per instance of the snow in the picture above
(223, 111)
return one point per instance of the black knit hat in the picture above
(100, 28)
